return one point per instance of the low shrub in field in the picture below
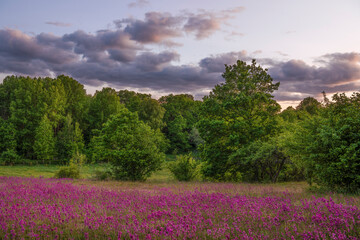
(73, 169)
(102, 175)
(184, 168)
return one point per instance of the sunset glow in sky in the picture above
(163, 47)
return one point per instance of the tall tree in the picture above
(236, 112)
(309, 105)
(7, 142)
(69, 140)
(76, 100)
(104, 104)
(149, 110)
(44, 146)
(181, 114)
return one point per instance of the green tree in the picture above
(331, 146)
(132, 147)
(69, 140)
(76, 100)
(181, 114)
(260, 161)
(26, 101)
(236, 113)
(149, 110)
(44, 145)
(8, 154)
(309, 105)
(104, 104)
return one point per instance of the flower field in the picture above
(37, 208)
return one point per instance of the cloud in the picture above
(339, 72)
(161, 28)
(138, 3)
(156, 28)
(97, 48)
(216, 63)
(115, 58)
(21, 47)
(150, 62)
(206, 23)
(58, 24)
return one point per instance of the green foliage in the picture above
(132, 147)
(9, 157)
(73, 169)
(102, 175)
(236, 113)
(44, 146)
(8, 154)
(76, 100)
(149, 110)
(260, 161)
(26, 101)
(69, 140)
(329, 145)
(309, 105)
(181, 114)
(104, 104)
(184, 168)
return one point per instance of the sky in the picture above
(163, 47)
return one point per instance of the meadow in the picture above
(47, 208)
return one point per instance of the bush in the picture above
(9, 157)
(184, 168)
(73, 169)
(102, 175)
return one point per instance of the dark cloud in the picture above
(114, 58)
(59, 24)
(149, 62)
(21, 47)
(96, 48)
(217, 63)
(336, 68)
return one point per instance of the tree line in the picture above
(237, 132)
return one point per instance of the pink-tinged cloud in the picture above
(206, 23)
(155, 28)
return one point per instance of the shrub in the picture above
(9, 157)
(73, 169)
(102, 175)
(184, 168)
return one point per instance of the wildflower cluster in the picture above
(59, 209)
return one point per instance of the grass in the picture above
(87, 171)
(46, 171)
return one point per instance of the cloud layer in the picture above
(121, 58)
